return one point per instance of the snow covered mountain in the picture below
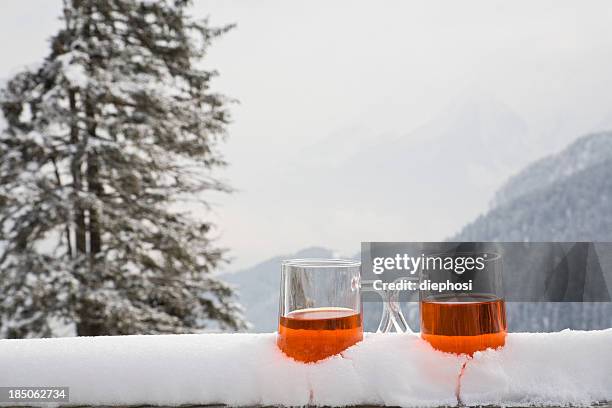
(445, 172)
(583, 153)
(564, 197)
(363, 181)
(475, 132)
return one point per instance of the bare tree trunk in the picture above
(93, 185)
(91, 312)
(95, 240)
(79, 221)
(58, 180)
(89, 323)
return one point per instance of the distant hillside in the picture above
(566, 197)
(585, 152)
(563, 197)
(258, 287)
(465, 150)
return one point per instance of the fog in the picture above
(327, 90)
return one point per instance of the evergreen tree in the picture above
(115, 128)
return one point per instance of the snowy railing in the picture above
(569, 367)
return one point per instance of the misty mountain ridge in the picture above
(582, 153)
(473, 122)
(475, 129)
(563, 197)
(461, 156)
(475, 113)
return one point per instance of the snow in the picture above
(74, 71)
(558, 368)
(247, 369)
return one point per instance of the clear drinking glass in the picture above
(470, 316)
(320, 310)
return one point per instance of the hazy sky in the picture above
(323, 79)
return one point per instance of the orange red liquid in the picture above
(314, 334)
(464, 323)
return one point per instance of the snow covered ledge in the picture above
(564, 368)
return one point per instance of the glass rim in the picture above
(321, 263)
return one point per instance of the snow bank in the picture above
(248, 369)
(569, 367)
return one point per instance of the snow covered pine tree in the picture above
(115, 127)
